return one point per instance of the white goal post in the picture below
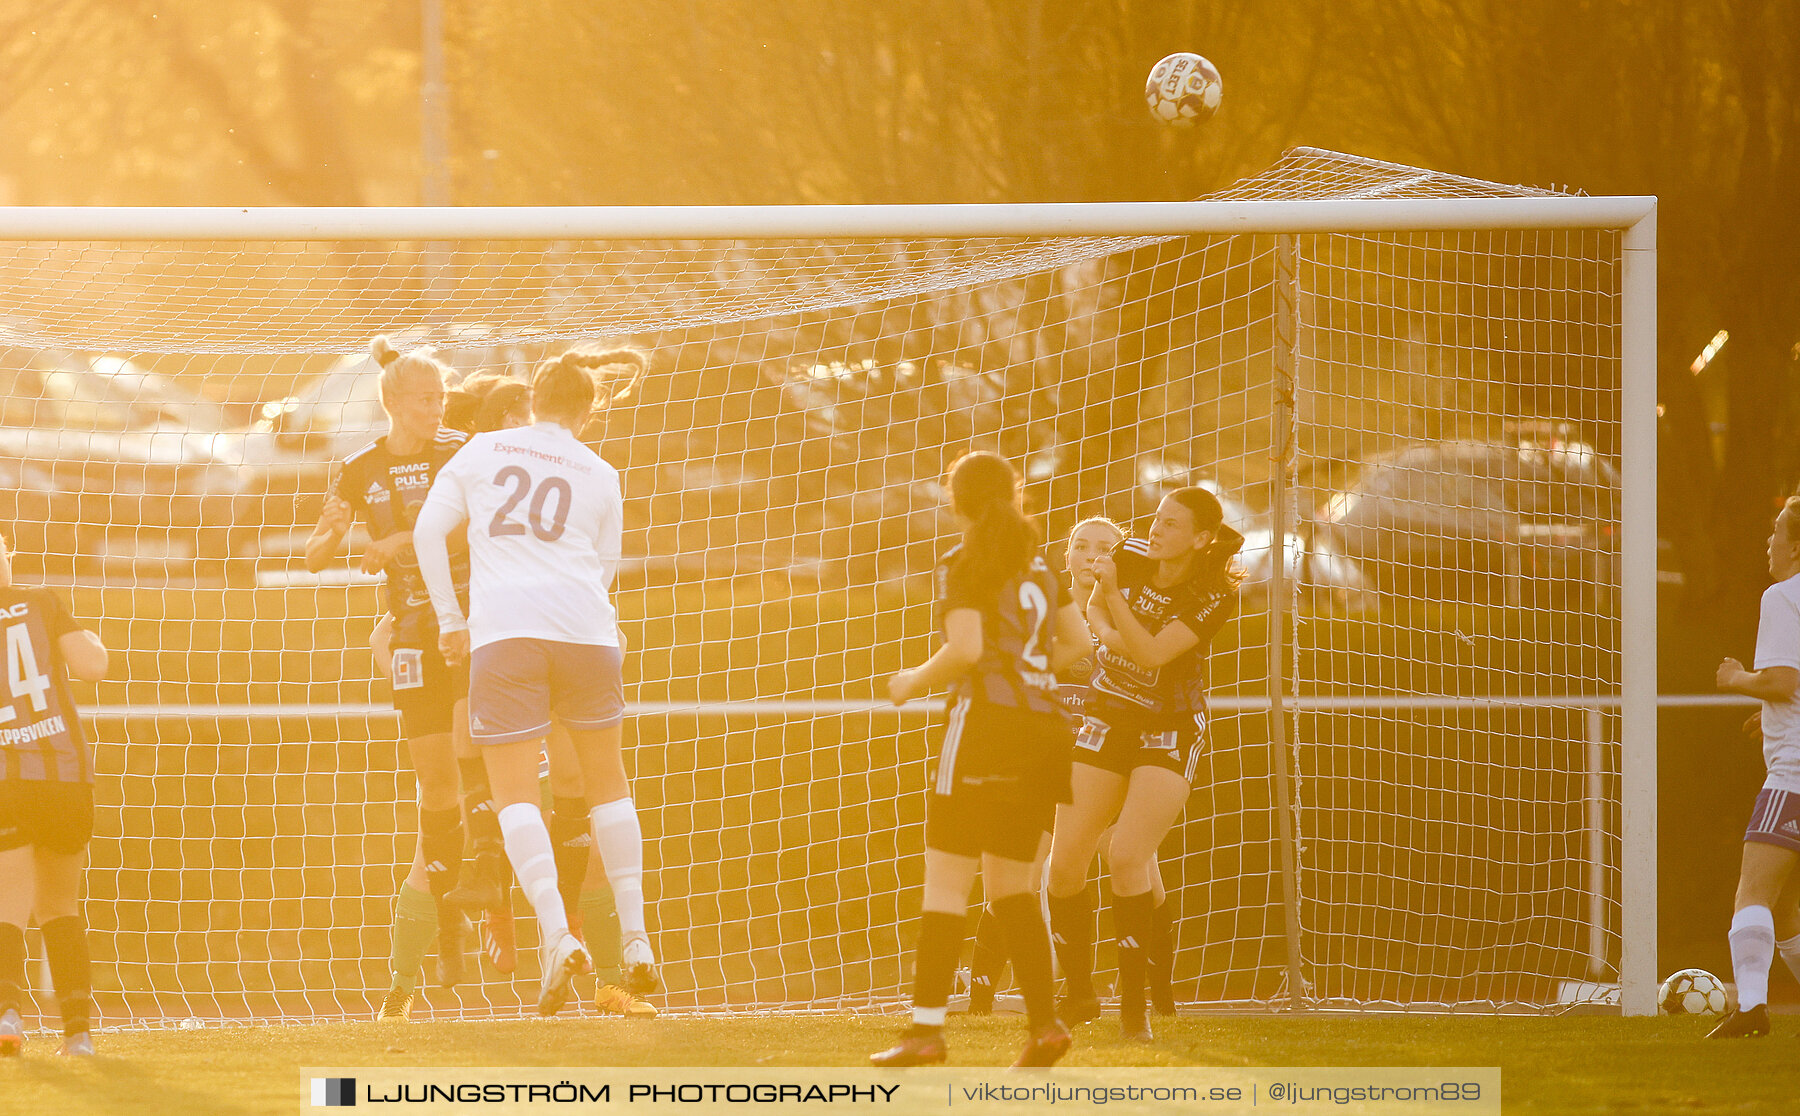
(775, 859)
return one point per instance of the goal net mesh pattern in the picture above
(172, 413)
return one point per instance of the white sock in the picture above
(1752, 952)
(534, 862)
(1789, 948)
(620, 843)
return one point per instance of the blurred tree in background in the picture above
(282, 102)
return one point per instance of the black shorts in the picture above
(426, 688)
(993, 821)
(1123, 748)
(58, 817)
(999, 775)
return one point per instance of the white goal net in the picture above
(1413, 792)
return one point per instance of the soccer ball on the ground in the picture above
(1692, 992)
(1183, 89)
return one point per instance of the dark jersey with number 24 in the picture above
(40, 731)
(1016, 622)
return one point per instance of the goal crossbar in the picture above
(679, 222)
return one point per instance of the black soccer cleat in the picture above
(1162, 995)
(475, 895)
(452, 932)
(981, 1000)
(1045, 1047)
(919, 1046)
(1075, 1010)
(1744, 1023)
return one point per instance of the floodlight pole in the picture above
(434, 135)
(434, 108)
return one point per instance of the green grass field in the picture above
(1564, 1065)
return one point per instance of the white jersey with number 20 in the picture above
(545, 516)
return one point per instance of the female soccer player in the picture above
(1155, 607)
(545, 516)
(1008, 626)
(1089, 539)
(1767, 910)
(487, 402)
(385, 484)
(46, 804)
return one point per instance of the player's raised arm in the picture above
(1071, 642)
(1127, 636)
(609, 540)
(445, 510)
(327, 538)
(960, 650)
(83, 654)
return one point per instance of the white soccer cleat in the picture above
(637, 967)
(77, 1046)
(12, 1034)
(564, 960)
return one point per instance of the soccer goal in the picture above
(1428, 403)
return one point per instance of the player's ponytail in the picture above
(998, 541)
(1215, 565)
(396, 366)
(616, 372)
(562, 390)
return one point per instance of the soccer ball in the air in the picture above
(1692, 992)
(1183, 89)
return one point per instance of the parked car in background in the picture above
(124, 464)
(1321, 573)
(1482, 522)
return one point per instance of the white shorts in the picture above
(516, 684)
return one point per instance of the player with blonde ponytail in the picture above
(385, 484)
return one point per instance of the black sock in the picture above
(1072, 932)
(1023, 923)
(1131, 924)
(478, 807)
(65, 942)
(989, 959)
(441, 836)
(934, 966)
(572, 841)
(1160, 956)
(12, 968)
